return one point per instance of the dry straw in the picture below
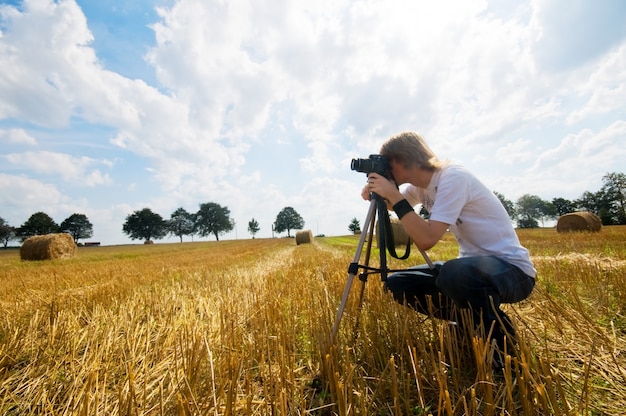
(48, 247)
(578, 221)
(304, 237)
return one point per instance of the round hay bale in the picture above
(48, 247)
(304, 237)
(400, 236)
(578, 221)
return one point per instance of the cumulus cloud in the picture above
(571, 33)
(256, 99)
(19, 192)
(17, 136)
(71, 169)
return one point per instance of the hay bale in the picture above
(400, 236)
(578, 221)
(304, 237)
(48, 247)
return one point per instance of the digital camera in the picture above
(375, 164)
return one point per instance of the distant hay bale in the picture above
(48, 247)
(304, 237)
(400, 236)
(148, 242)
(578, 221)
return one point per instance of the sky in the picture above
(111, 106)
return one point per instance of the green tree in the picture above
(355, 226)
(39, 223)
(181, 223)
(145, 225)
(548, 211)
(614, 192)
(288, 219)
(78, 226)
(563, 206)
(214, 219)
(507, 204)
(7, 232)
(530, 209)
(598, 203)
(253, 227)
(589, 201)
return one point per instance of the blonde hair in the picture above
(410, 149)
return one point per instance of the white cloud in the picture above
(574, 165)
(570, 33)
(17, 136)
(515, 152)
(605, 88)
(261, 105)
(38, 53)
(69, 168)
(20, 195)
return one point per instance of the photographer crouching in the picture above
(492, 266)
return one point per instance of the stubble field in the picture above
(243, 328)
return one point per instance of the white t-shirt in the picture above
(476, 216)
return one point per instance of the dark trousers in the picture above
(478, 283)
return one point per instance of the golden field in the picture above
(243, 328)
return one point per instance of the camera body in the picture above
(374, 164)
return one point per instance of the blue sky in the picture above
(107, 107)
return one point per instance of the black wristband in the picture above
(402, 208)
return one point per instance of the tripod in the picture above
(377, 205)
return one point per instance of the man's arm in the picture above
(425, 234)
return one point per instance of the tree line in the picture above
(530, 210)
(145, 224)
(609, 204)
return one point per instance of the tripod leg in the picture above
(363, 281)
(369, 220)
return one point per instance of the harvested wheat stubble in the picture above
(578, 221)
(48, 247)
(304, 237)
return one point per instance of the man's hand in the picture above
(383, 187)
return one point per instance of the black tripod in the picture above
(385, 241)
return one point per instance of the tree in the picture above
(507, 204)
(78, 226)
(355, 226)
(214, 219)
(614, 192)
(288, 219)
(7, 232)
(529, 209)
(563, 206)
(589, 201)
(39, 223)
(253, 227)
(181, 223)
(145, 225)
(598, 203)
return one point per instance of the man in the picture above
(492, 266)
